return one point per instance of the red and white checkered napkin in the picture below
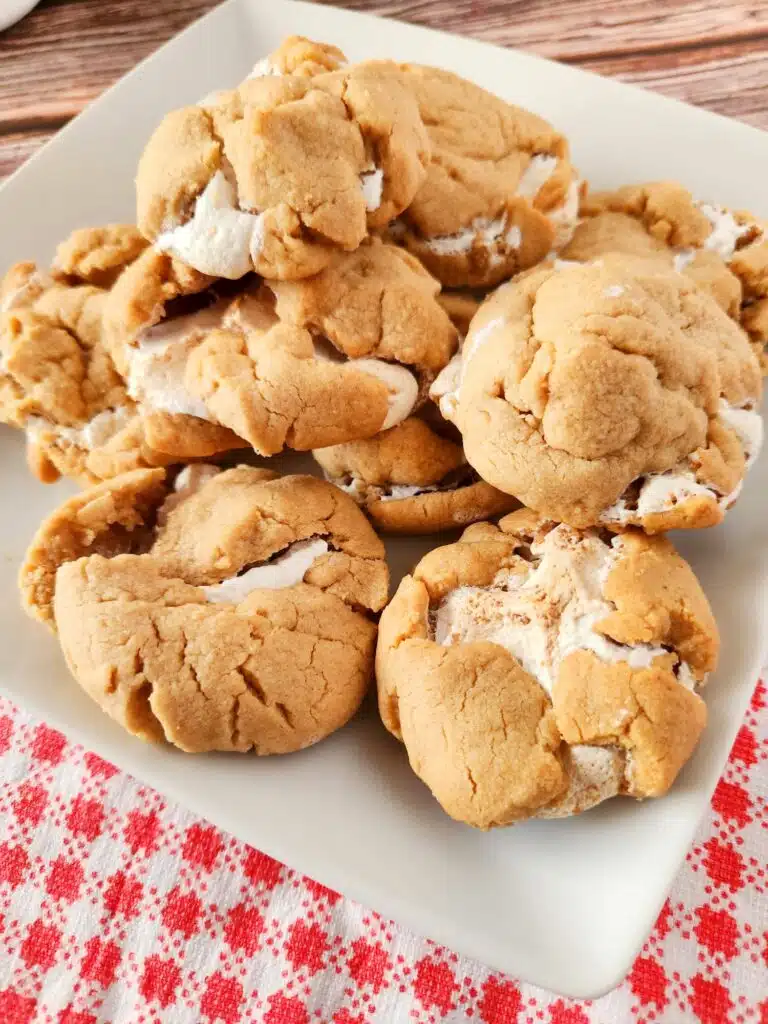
(116, 906)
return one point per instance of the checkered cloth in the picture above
(118, 907)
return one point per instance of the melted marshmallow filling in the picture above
(100, 429)
(446, 387)
(660, 492)
(545, 614)
(488, 232)
(286, 570)
(402, 386)
(540, 169)
(157, 366)
(723, 239)
(361, 491)
(219, 239)
(372, 185)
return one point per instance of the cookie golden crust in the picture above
(304, 365)
(282, 172)
(377, 302)
(532, 670)
(411, 480)
(722, 251)
(614, 392)
(58, 381)
(222, 611)
(297, 55)
(500, 191)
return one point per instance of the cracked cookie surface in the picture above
(614, 392)
(57, 379)
(410, 479)
(724, 252)
(216, 610)
(500, 191)
(282, 172)
(532, 670)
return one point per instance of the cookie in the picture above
(612, 392)
(307, 364)
(410, 479)
(283, 172)
(217, 611)
(533, 670)
(500, 191)
(58, 382)
(297, 55)
(725, 252)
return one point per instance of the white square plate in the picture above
(565, 904)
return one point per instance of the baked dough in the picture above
(57, 380)
(217, 611)
(304, 364)
(532, 670)
(410, 479)
(283, 172)
(613, 392)
(500, 191)
(723, 251)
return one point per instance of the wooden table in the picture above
(710, 52)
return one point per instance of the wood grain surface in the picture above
(710, 52)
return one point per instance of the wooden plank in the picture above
(707, 52)
(64, 54)
(729, 79)
(571, 29)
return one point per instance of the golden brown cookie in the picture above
(283, 172)
(297, 55)
(214, 610)
(532, 670)
(57, 379)
(725, 252)
(614, 392)
(410, 479)
(500, 191)
(310, 363)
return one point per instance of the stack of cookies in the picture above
(387, 266)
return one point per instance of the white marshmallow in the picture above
(488, 232)
(747, 424)
(683, 258)
(397, 492)
(661, 491)
(194, 476)
(401, 384)
(156, 368)
(725, 231)
(565, 217)
(446, 387)
(372, 184)
(547, 613)
(594, 774)
(93, 434)
(538, 172)
(285, 571)
(263, 69)
(219, 239)
(723, 238)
